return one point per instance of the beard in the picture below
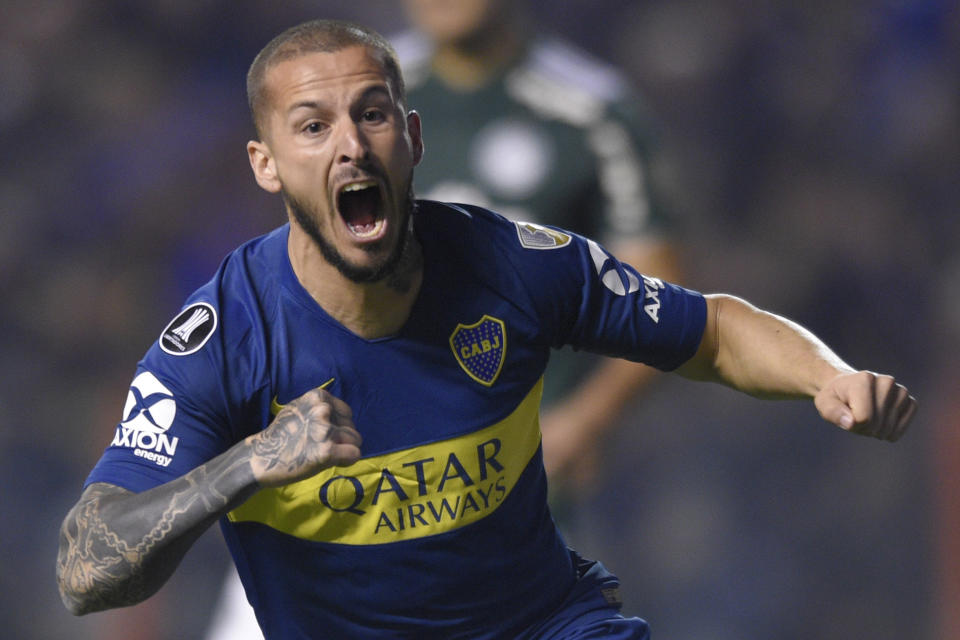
(307, 219)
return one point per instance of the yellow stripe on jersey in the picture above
(407, 494)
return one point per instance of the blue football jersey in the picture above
(442, 528)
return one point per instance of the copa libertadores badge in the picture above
(537, 236)
(190, 330)
(480, 348)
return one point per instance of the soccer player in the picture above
(538, 130)
(354, 396)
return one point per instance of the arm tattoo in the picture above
(117, 547)
(290, 445)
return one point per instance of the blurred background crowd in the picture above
(811, 161)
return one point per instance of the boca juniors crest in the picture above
(480, 348)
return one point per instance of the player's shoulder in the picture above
(461, 223)
(455, 213)
(221, 314)
(526, 263)
(255, 267)
(460, 231)
(483, 240)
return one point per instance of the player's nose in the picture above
(351, 144)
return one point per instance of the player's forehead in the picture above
(334, 73)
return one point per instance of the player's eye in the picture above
(313, 128)
(373, 115)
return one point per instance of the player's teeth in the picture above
(359, 186)
(368, 230)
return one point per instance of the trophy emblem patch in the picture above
(536, 236)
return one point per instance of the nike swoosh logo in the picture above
(276, 407)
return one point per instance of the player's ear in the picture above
(263, 165)
(415, 132)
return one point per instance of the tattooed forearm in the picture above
(117, 547)
(289, 444)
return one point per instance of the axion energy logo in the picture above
(147, 415)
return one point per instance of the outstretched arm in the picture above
(118, 547)
(768, 356)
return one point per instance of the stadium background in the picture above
(813, 160)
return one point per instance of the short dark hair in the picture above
(311, 37)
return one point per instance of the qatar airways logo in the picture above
(148, 413)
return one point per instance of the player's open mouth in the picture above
(359, 204)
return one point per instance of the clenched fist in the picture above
(867, 403)
(311, 433)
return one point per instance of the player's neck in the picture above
(470, 65)
(369, 310)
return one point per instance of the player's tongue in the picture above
(359, 206)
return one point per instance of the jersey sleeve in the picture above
(181, 409)
(586, 298)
